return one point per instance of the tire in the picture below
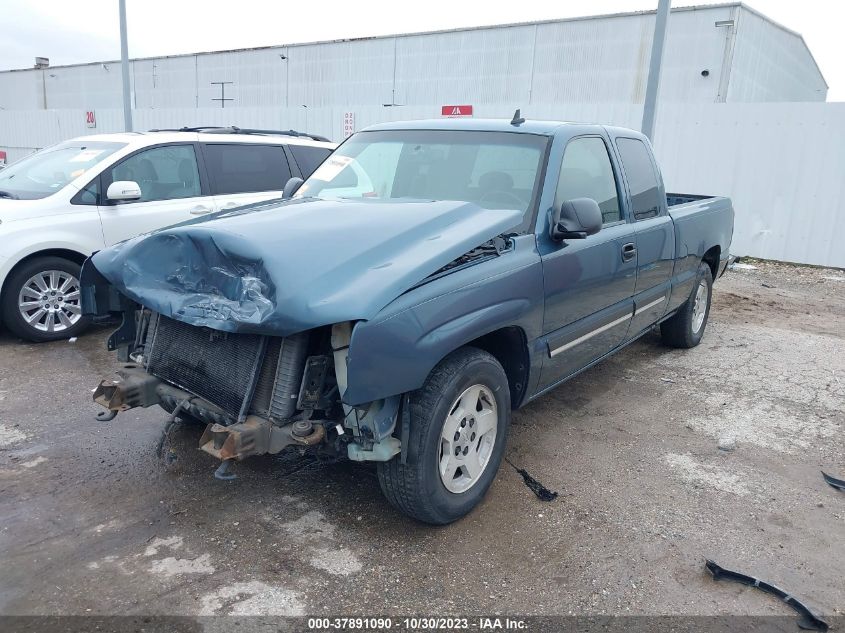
(67, 320)
(686, 328)
(468, 381)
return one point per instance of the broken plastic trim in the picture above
(839, 484)
(542, 493)
(808, 620)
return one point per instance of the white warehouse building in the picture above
(717, 53)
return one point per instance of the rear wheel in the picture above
(686, 328)
(459, 426)
(41, 300)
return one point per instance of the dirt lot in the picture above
(94, 523)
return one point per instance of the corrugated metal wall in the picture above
(782, 164)
(771, 64)
(598, 59)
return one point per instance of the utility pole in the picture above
(124, 68)
(649, 107)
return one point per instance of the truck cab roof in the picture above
(529, 126)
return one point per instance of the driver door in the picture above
(589, 283)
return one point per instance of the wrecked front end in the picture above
(256, 394)
(237, 323)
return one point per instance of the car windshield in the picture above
(46, 172)
(495, 170)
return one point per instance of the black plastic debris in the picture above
(543, 493)
(808, 620)
(839, 484)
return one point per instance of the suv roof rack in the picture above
(214, 129)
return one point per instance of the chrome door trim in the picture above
(589, 335)
(639, 309)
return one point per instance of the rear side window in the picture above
(641, 176)
(586, 172)
(246, 168)
(309, 158)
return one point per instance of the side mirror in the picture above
(122, 190)
(576, 219)
(290, 187)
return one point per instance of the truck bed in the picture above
(676, 199)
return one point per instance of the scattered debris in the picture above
(809, 620)
(739, 266)
(833, 277)
(72, 339)
(839, 484)
(543, 493)
(667, 380)
(767, 285)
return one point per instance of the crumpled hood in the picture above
(283, 267)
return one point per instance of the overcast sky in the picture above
(72, 31)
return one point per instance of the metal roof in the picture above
(699, 7)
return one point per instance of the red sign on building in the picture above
(456, 110)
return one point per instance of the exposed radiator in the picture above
(214, 365)
(218, 366)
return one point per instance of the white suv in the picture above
(63, 203)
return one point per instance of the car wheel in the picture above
(458, 430)
(686, 328)
(41, 300)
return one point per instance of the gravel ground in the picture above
(662, 457)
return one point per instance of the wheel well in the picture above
(711, 258)
(64, 253)
(508, 345)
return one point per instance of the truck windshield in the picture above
(495, 170)
(46, 172)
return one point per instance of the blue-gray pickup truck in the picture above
(429, 278)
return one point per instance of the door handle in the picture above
(629, 252)
(200, 210)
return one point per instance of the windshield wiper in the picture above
(6, 194)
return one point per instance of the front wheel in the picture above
(458, 430)
(41, 300)
(686, 328)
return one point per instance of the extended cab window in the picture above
(641, 176)
(586, 172)
(246, 168)
(168, 172)
(309, 158)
